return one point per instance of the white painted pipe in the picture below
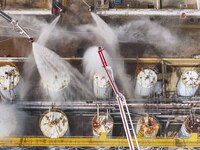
(97, 112)
(157, 4)
(198, 4)
(102, 2)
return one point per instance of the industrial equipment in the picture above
(145, 83)
(147, 126)
(101, 123)
(9, 79)
(117, 2)
(121, 102)
(188, 83)
(57, 7)
(54, 124)
(164, 109)
(16, 25)
(190, 125)
(101, 86)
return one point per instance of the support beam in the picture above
(192, 142)
(180, 62)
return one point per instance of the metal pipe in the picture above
(190, 62)
(112, 105)
(5, 16)
(15, 23)
(163, 78)
(158, 2)
(198, 4)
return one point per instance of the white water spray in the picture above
(47, 31)
(92, 63)
(58, 76)
(147, 32)
(106, 37)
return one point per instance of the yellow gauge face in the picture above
(54, 124)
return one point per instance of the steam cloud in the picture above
(10, 120)
(106, 37)
(147, 32)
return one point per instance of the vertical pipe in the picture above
(97, 112)
(198, 4)
(107, 114)
(102, 2)
(158, 2)
(163, 77)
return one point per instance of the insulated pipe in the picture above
(198, 4)
(104, 105)
(158, 4)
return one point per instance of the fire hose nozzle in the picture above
(31, 40)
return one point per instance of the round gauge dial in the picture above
(102, 123)
(54, 124)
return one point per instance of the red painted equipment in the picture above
(121, 102)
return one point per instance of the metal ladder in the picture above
(124, 111)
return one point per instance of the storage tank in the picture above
(145, 83)
(9, 79)
(95, 73)
(101, 86)
(191, 124)
(102, 122)
(147, 126)
(58, 87)
(188, 83)
(54, 124)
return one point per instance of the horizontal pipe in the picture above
(29, 12)
(105, 105)
(168, 61)
(148, 12)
